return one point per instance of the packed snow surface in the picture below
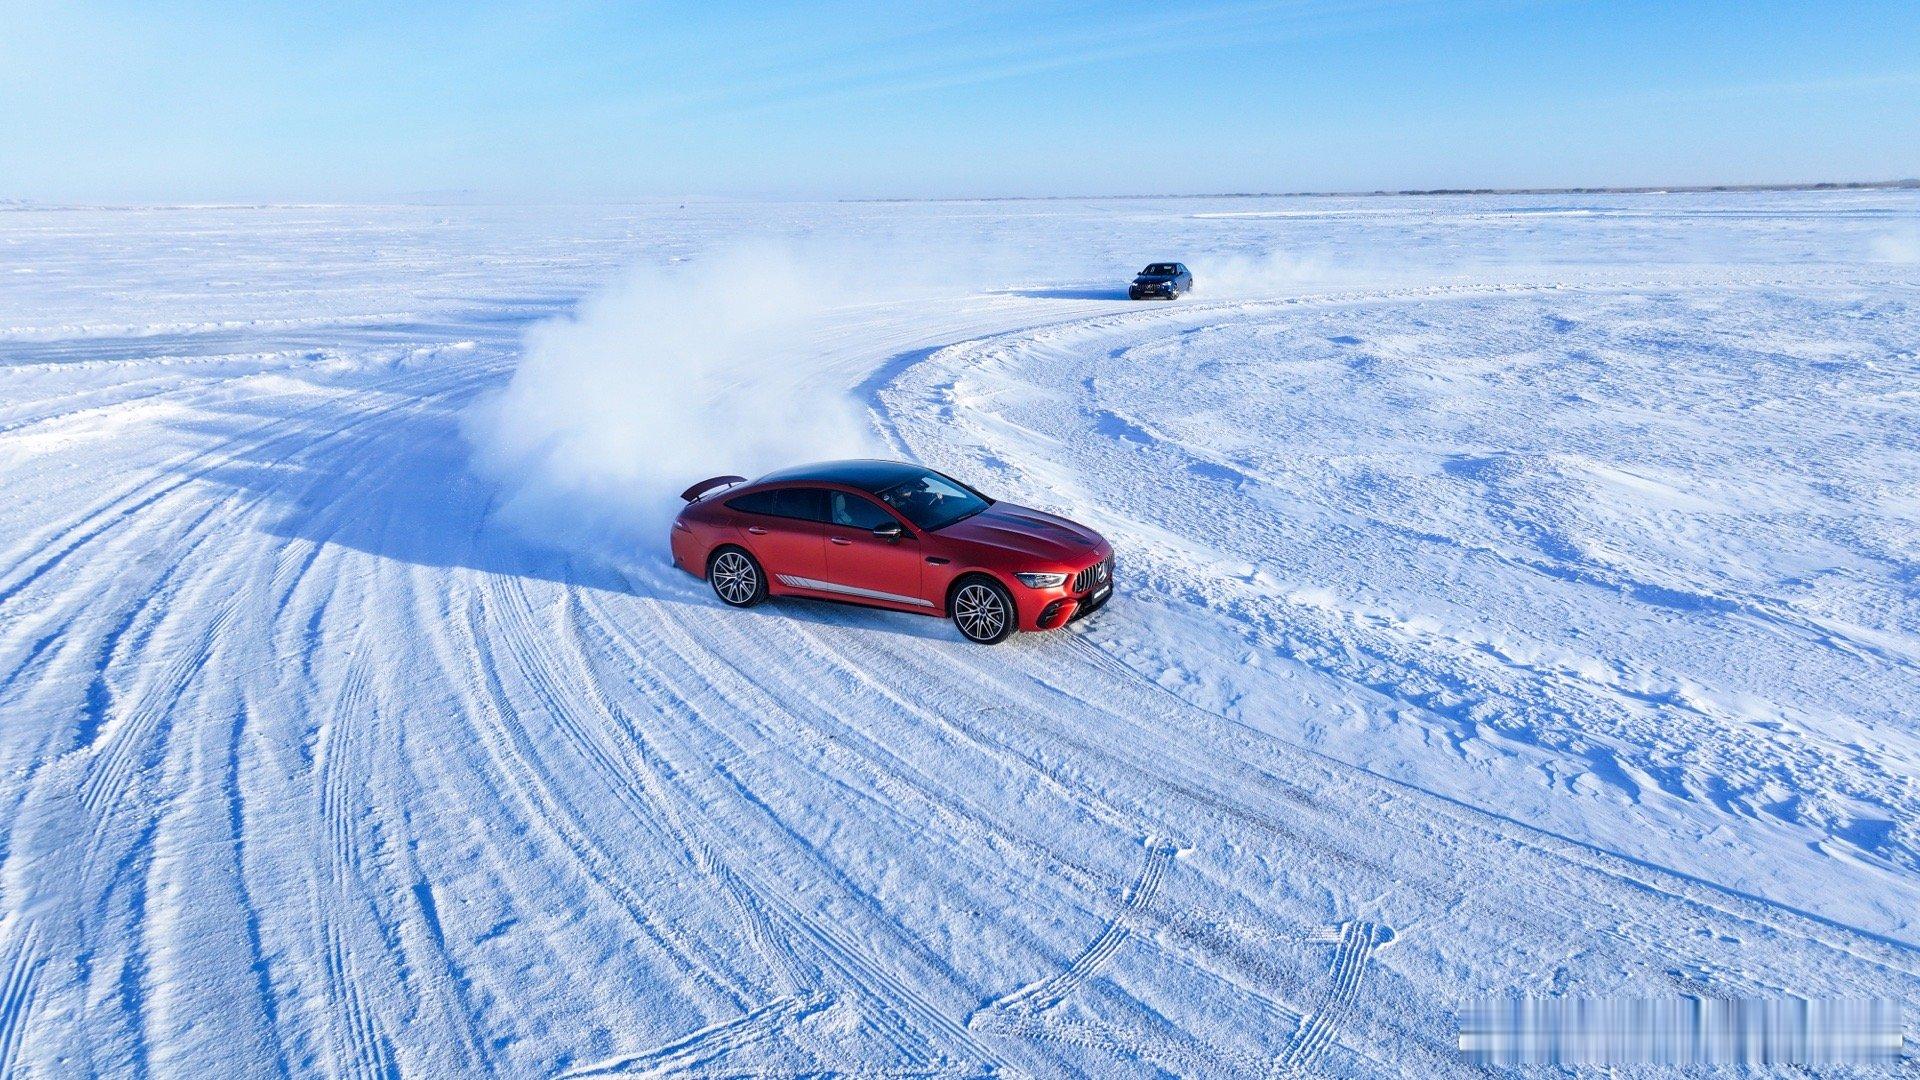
(1518, 595)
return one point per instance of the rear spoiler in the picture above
(709, 484)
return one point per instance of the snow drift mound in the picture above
(673, 373)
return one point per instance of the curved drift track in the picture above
(310, 768)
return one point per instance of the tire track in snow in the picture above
(366, 1052)
(430, 963)
(796, 997)
(272, 444)
(114, 766)
(963, 715)
(736, 650)
(1039, 997)
(342, 902)
(705, 1046)
(1024, 1013)
(1021, 1014)
(1354, 949)
(114, 641)
(267, 594)
(19, 988)
(360, 1041)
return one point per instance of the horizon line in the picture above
(475, 197)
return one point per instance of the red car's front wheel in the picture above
(983, 611)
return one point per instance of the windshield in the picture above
(932, 502)
(1161, 269)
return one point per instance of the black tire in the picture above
(736, 577)
(982, 610)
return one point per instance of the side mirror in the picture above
(889, 530)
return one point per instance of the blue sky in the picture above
(140, 101)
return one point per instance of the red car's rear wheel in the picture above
(736, 578)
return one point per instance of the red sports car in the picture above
(894, 536)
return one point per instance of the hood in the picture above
(1028, 532)
(1153, 279)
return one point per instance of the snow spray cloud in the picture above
(667, 376)
(1900, 246)
(1235, 275)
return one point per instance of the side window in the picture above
(758, 502)
(855, 512)
(806, 504)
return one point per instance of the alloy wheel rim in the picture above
(733, 578)
(979, 612)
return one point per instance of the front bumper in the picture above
(1149, 292)
(1051, 609)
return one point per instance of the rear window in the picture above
(807, 504)
(804, 504)
(760, 502)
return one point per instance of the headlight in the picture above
(1042, 581)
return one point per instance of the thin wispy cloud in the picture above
(966, 52)
(1836, 84)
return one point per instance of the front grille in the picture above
(1100, 573)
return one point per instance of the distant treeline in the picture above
(1667, 189)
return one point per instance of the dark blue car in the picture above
(1160, 281)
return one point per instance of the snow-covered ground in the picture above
(1519, 595)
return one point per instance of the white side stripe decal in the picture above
(849, 590)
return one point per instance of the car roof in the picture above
(867, 474)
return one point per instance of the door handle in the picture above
(935, 560)
(841, 540)
(756, 530)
